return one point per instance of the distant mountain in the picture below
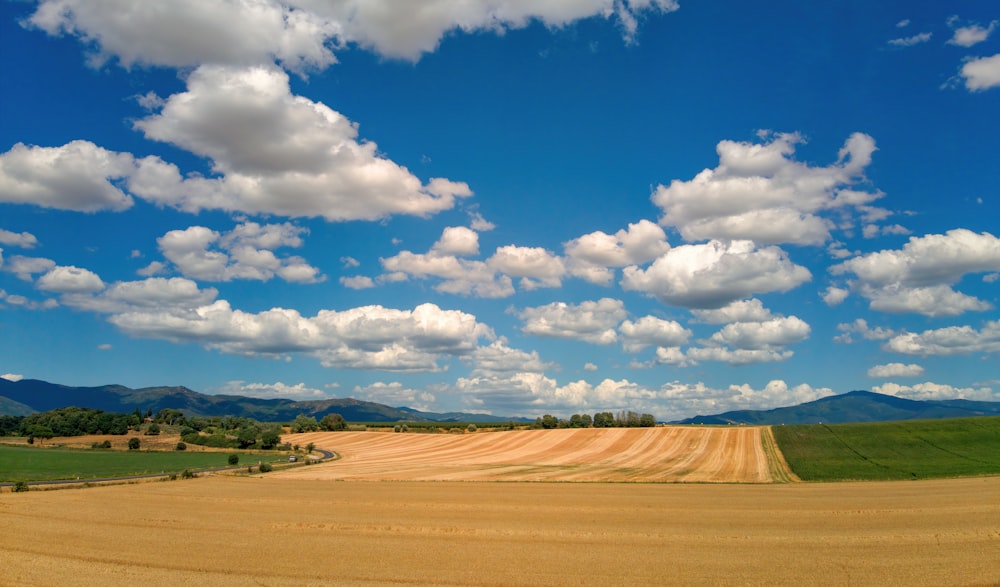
(855, 406)
(31, 395)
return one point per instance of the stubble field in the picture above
(662, 454)
(282, 529)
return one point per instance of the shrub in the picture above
(105, 444)
(265, 467)
(472, 428)
(153, 429)
(172, 477)
(405, 428)
(188, 474)
(133, 443)
(396, 428)
(234, 459)
(21, 486)
(181, 446)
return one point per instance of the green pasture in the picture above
(20, 463)
(917, 449)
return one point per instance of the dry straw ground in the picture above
(280, 530)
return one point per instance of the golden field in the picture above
(283, 529)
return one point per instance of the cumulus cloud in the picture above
(498, 358)
(860, 326)
(298, 391)
(77, 176)
(759, 192)
(952, 340)
(895, 370)
(936, 391)
(243, 253)
(357, 282)
(714, 274)
(69, 279)
(536, 266)
(24, 240)
(277, 153)
(698, 398)
(155, 293)
(12, 377)
(918, 277)
(769, 334)
(982, 73)
(652, 331)
(460, 276)
(591, 321)
(833, 296)
(457, 240)
(972, 34)
(751, 310)
(25, 268)
(299, 34)
(591, 255)
(190, 32)
(367, 337)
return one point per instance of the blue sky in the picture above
(504, 207)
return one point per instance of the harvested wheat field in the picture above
(663, 454)
(278, 531)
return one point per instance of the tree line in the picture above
(623, 419)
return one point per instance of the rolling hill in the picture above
(854, 406)
(32, 395)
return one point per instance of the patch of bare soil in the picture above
(278, 531)
(662, 454)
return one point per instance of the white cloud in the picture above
(860, 326)
(973, 34)
(25, 240)
(498, 358)
(918, 277)
(982, 73)
(300, 33)
(903, 23)
(245, 253)
(367, 337)
(395, 394)
(298, 391)
(357, 282)
(23, 302)
(277, 153)
(714, 274)
(697, 398)
(350, 262)
(936, 391)
(895, 370)
(461, 276)
(104, 347)
(457, 240)
(155, 293)
(187, 33)
(652, 331)
(751, 310)
(769, 334)
(590, 367)
(12, 377)
(77, 176)
(911, 41)
(591, 254)
(69, 279)
(835, 295)
(26, 267)
(759, 192)
(591, 321)
(952, 340)
(536, 266)
(480, 224)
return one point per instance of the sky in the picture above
(503, 207)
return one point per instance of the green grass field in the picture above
(18, 463)
(918, 449)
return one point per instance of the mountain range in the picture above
(19, 398)
(854, 406)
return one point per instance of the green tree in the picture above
(604, 420)
(246, 437)
(133, 443)
(333, 423)
(304, 423)
(310, 447)
(181, 446)
(549, 421)
(153, 429)
(269, 439)
(234, 459)
(647, 420)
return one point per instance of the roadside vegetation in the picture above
(913, 449)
